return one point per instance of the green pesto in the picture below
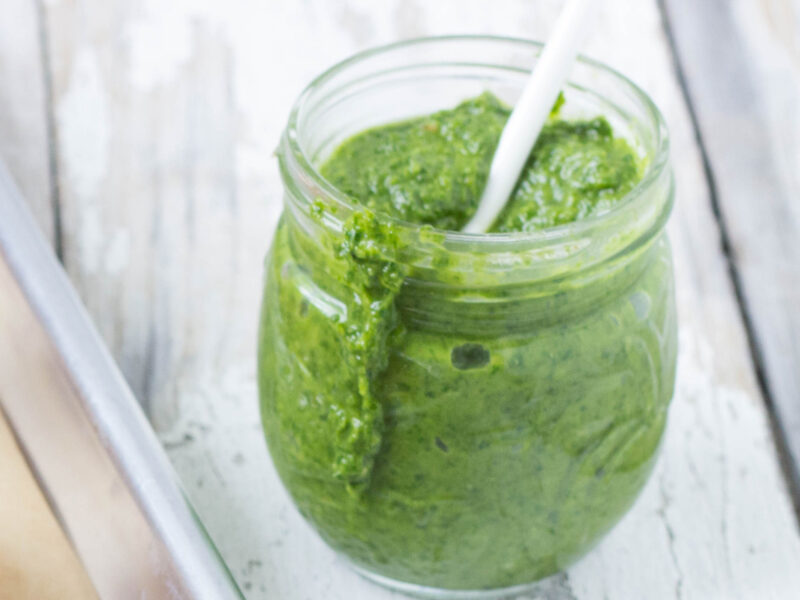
(464, 444)
(432, 170)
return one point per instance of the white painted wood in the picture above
(167, 115)
(147, 149)
(749, 118)
(23, 108)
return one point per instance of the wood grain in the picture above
(166, 118)
(744, 82)
(149, 195)
(37, 561)
(24, 136)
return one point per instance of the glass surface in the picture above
(522, 409)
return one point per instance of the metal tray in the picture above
(94, 453)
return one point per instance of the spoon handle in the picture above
(531, 111)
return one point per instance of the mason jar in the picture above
(509, 398)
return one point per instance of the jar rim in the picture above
(629, 205)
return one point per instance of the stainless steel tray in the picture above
(97, 459)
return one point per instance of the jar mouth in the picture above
(303, 178)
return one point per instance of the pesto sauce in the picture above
(474, 448)
(432, 170)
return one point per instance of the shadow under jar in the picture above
(455, 412)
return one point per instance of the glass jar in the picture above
(486, 422)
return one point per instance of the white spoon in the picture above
(534, 106)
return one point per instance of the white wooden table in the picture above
(142, 134)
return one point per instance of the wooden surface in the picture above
(163, 117)
(748, 117)
(44, 567)
(24, 125)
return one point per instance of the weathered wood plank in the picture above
(45, 567)
(145, 137)
(741, 62)
(24, 143)
(167, 116)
